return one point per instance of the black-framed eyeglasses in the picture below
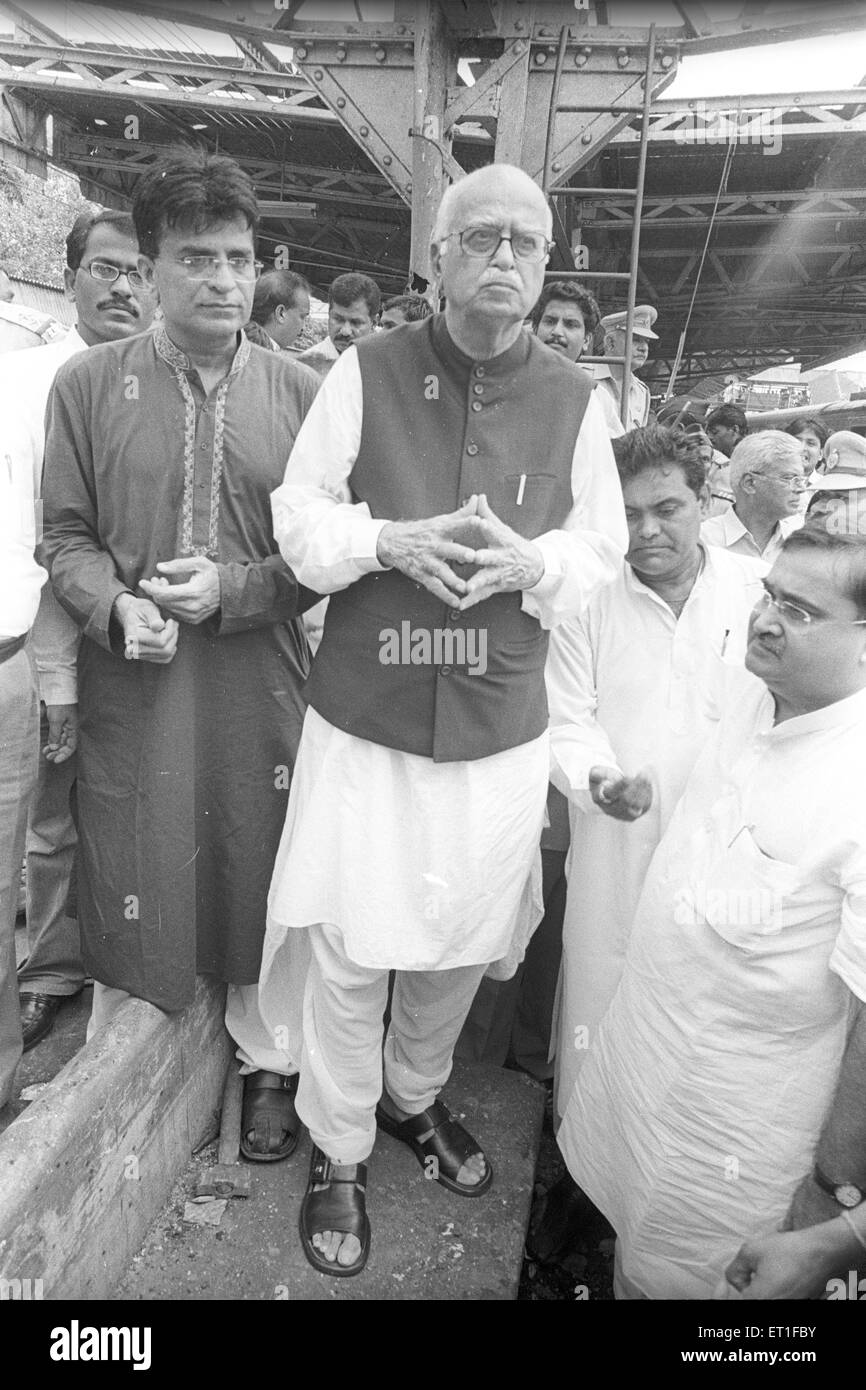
(242, 268)
(483, 242)
(108, 273)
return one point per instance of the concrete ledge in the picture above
(88, 1167)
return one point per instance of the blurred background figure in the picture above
(281, 305)
(404, 308)
(726, 426)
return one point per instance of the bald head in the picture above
(471, 197)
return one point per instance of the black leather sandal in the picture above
(269, 1115)
(340, 1205)
(443, 1151)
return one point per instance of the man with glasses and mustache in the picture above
(452, 477)
(769, 482)
(161, 454)
(724, 1097)
(103, 281)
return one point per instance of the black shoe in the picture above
(38, 1012)
(561, 1217)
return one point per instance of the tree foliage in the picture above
(35, 217)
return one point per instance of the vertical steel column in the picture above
(435, 66)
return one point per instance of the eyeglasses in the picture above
(797, 616)
(483, 242)
(103, 270)
(791, 480)
(206, 267)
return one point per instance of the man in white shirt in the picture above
(102, 280)
(768, 480)
(353, 308)
(412, 832)
(281, 306)
(717, 1103)
(635, 684)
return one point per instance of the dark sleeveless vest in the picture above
(395, 664)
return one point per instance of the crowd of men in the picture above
(570, 779)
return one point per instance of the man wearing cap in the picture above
(609, 377)
(838, 495)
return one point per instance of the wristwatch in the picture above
(847, 1194)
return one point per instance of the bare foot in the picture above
(473, 1171)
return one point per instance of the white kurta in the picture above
(420, 865)
(698, 1112)
(630, 686)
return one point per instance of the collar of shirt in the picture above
(178, 360)
(504, 362)
(637, 585)
(850, 711)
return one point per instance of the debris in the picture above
(205, 1211)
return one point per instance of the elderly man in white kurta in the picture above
(419, 790)
(633, 684)
(717, 1104)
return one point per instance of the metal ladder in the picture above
(626, 193)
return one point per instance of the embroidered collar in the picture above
(178, 360)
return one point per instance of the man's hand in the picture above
(425, 550)
(506, 562)
(191, 601)
(148, 636)
(792, 1264)
(623, 798)
(62, 732)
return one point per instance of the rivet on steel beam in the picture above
(518, 24)
(408, 188)
(365, 131)
(341, 102)
(541, 58)
(380, 55)
(556, 166)
(341, 55)
(586, 137)
(622, 57)
(667, 60)
(318, 74)
(581, 58)
(386, 159)
(302, 53)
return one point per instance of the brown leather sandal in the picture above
(269, 1116)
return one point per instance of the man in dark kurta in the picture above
(161, 454)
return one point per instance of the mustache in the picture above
(115, 303)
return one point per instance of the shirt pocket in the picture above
(524, 501)
(742, 892)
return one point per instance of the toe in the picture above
(473, 1170)
(350, 1250)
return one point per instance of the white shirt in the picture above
(633, 687)
(321, 356)
(421, 865)
(26, 378)
(728, 531)
(697, 1113)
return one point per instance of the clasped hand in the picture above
(473, 535)
(622, 798)
(190, 602)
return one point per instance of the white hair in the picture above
(455, 194)
(755, 451)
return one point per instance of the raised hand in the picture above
(426, 550)
(506, 561)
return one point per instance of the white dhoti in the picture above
(396, 863)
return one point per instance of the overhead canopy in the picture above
(783, 275)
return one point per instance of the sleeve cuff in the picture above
(532, 599)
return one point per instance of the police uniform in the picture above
(608, 387)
